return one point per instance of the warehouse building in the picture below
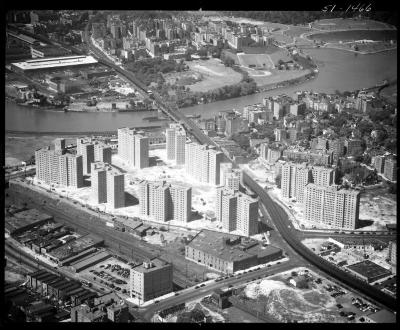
(74, 247)
(90, 261)
(368, 271)
(228, 253)
(51, 63)
(22, 221)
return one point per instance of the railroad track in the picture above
(282, 224)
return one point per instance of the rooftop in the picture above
(383, 316)
(154, 264)
(369, 269)
(211, 242)
(54, 62)
(26, 218)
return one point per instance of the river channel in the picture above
(338, 70)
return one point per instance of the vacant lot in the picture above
(297, 31)
(214, 73)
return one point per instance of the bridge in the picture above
(278, 215)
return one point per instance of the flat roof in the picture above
(91, 258)
(25, 218)
(211, 242)
(359, 241)
(75, 246)
(383, 316)
(55, 62)
(368, 269)
(157, 264)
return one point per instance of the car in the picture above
(196, 287)
(157, 301)
(202, 285)
(176, 294)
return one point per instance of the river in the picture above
(338, 70)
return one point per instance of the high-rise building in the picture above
(236, 211)
(354, 147)
(180, 143)
(86, 149)
(99, 182)
(203, 163)
(231, 179)
(181, 198)
(57, 167)
(378, 162)
(247, 219)
(133, 147)
(163, 202)
(59, 144)
(338, 208)
(323, 176)
(392, 255)
(115, 188)
(71, 170)
(141, 151)
(294, 179)
(390, 170)
(48, 165)
(170, 140)
(102, 153)
(150, 280)
(176, 141)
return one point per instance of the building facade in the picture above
(338, 208)
(150, 280)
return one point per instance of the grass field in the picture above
(257, 60)
(214, 73)
(348, 24)
(276, 76)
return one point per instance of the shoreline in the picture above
(112, 132)
(361, 52)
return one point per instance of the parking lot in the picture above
(110, 273)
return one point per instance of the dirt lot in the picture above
(313, 304)
(214, 73)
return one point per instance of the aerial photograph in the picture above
(198, 166)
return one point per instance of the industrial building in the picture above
(51, 63)
(228, 253)
(368, 271)
(89, 261)
(24, 220)
(74, 247)
(106, 308)
(151, 279)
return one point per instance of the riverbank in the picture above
(360, 52)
